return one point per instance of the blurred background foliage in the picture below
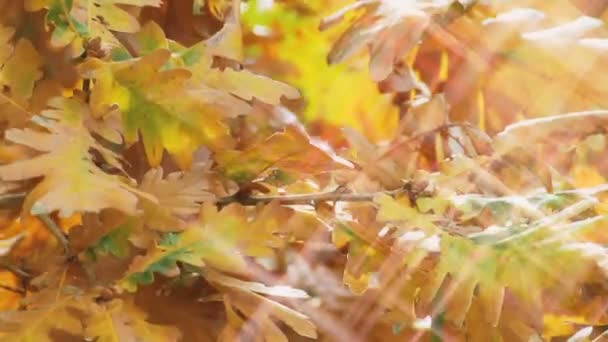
(282, 39)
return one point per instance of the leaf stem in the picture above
(57, 232)
(18, 271)
(12, 289)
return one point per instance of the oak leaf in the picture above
(219, 239)
(249, 303)
(188, 247)
(178, 197)
(566, 129)
(67, 165)
(144, 93)
(121, 321)
(391, 28)
(240, 83)
(6, 33)
(291, 150)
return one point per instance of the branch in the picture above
(12, 289)
(12, 199)
(57, 232)
(330, 196)
(15, 269)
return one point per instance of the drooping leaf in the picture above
(390, 28)
(229, 231)
(241, 83)
(247, 302)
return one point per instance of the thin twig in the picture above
(330, 196)
(86, 88)
(12, 289)
(57, 232)
(18, 271)
(420, 135)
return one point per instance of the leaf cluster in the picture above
(434, 172)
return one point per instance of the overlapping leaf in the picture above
(390, 28)
(67, 165)
(246, 297)
(248, 302)
(120, 320)
(46, 316)
(291, 151)
(219, 84)
(74, 22)
(178, 196)
(369, 112)
(21, 68)
(144, 93)
(502, 259)
(221, 240)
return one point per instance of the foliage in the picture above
(284, 170)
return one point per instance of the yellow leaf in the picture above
(122, 321)
(35, 324)
(67, 167)
(557, 325)
(395, 210)
(178, 196)
(22, 70)
(291, 150)
(77, 21)
(336, 95)
(585, 176)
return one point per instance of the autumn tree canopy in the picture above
(292, 170)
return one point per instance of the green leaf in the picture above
(114, 243)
